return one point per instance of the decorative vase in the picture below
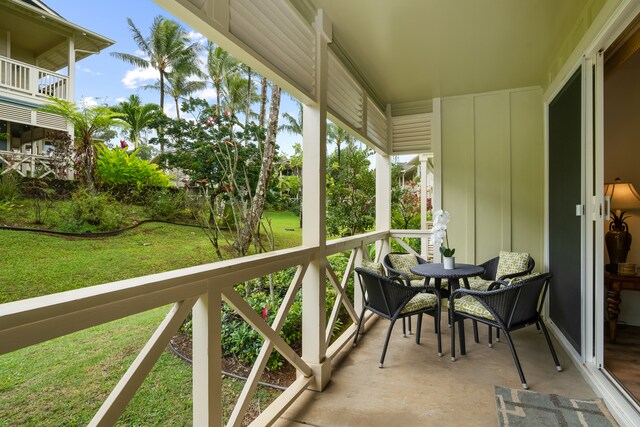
(618, 244)
(449, 262)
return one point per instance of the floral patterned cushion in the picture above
(403, 263)
(512, 262)
(420, 302)
(468, 304)
(375, 267)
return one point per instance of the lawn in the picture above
(64, 381)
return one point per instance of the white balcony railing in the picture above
(25, 164)
(201, 289)
(28, 79)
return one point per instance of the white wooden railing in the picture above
(28, 79)
(201, 289)
(25, 164)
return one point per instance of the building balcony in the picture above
(20, 78)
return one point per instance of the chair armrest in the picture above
(497, 285)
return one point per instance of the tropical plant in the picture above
(220, 66)
(222, 159)
(87, 123)
(166, 48)
(338, 136)
(90, 212)
(135, 117)
(119, 167)
(350, 191)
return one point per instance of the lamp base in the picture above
(618, 244)
(611, 268)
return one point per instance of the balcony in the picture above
(26, 164)
(416, 385)
(26, 79)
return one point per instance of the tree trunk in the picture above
(259, 197)
(161, 133)
(177, 99)
(263, 102)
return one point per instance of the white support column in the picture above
(424, 171)
(358, 297)
(383, 200)
(207, 383)
(71, 93)
(314, 159)
(436, 141)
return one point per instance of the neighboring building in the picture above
(38, 52)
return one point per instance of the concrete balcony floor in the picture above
(418, 388)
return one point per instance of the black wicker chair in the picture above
(489, 275)
(386, 262)
(508, 308)
(389, 298)
(491, 269)
(392, 271)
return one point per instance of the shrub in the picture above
(118, 167)
(90, 212)
(9, 189)
(165, 205)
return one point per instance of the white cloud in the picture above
(140, 53)
(208, 93)
(135, 78)
(169, 107)
(196, 37)
(88, 102)
(121, 99)
(87, 70)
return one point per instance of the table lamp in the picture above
(623, 196)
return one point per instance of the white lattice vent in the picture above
(51, 121)
(275, 30)
(13, 113)
(376, 125)
(344, 94)
(412, 134)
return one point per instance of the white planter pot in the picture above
(449, 262)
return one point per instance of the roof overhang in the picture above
(46, 34)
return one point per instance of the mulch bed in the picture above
(284, 376)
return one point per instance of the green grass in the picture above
(64, 381)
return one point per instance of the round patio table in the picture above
(461, 271)
(437, 272)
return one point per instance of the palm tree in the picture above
(338, 136)
(181, 82)
(238, 97)
(293, 125)
(135, 117)
(167, 47)
(220, 66)
(87, 123)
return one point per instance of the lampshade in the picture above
(623, 195)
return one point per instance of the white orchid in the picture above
(439, 233)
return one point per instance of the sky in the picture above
(103, 79)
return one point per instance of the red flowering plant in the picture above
(221, 156)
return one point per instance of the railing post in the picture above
(383, 201)
(314, 344)
(358, 301)
(207, 383)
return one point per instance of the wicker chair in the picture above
(491, 270)
(386, 262)
(391, 299)
(392, 271)
(508, 308)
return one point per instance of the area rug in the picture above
(522, 408)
